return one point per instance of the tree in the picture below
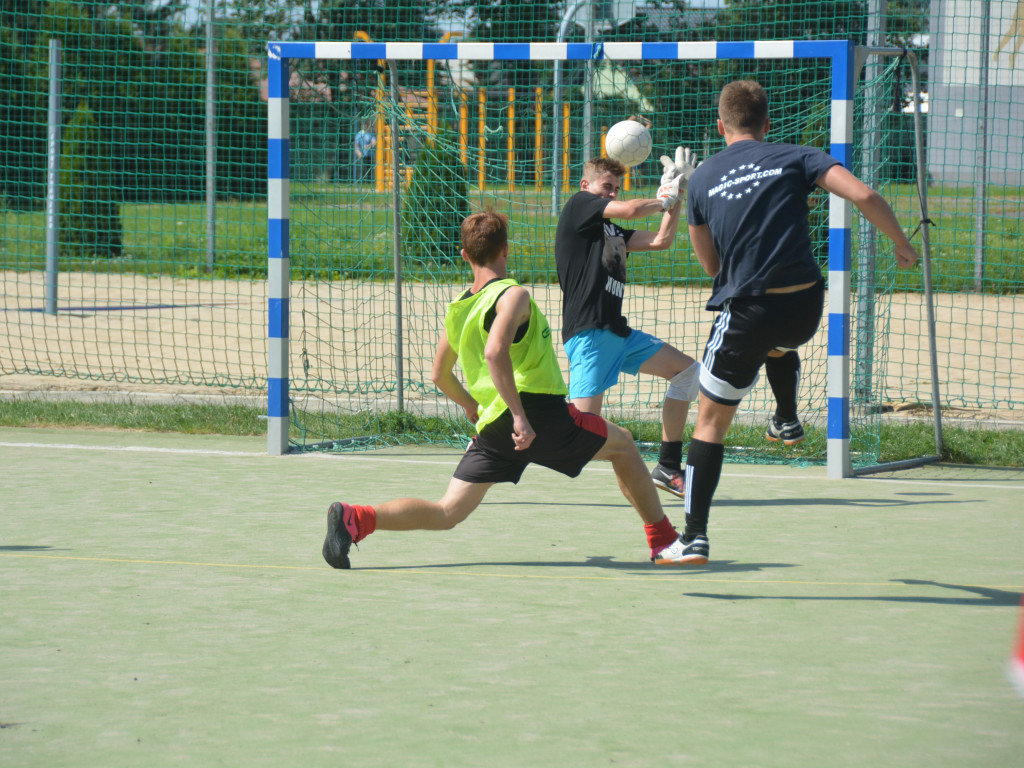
(435, 202)
(90, 219)
(241, 122)
(23, 92)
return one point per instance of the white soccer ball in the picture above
(629, 142)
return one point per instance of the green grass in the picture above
(981, 447)
(192, 419)
(340, 231)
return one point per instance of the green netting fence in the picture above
(161, 277)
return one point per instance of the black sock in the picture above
(784, 378)
(671, 456)
(703, 469)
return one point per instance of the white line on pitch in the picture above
(447, 463)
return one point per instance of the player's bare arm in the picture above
(632, 209)
(443, 376)
(839, 181)
(704, 247)
(511, 311)
(662, 239)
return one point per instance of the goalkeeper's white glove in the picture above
(686, 161)
(669, 193)
(677, 173)
(670, 170)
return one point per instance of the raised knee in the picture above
(685, 385)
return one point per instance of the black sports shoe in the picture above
(670, 480)
(789, 432)
(339, 539)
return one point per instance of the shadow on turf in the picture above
(816, 501)
(23, 548)
(985, 596)
(719, 566)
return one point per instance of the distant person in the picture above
(748, 220)
(363, 151)
(591, 253)
(515, 395)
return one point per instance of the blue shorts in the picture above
(596, 357)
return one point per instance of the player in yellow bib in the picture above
(515, 394)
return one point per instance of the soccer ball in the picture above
(629, 142)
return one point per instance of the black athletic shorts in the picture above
(566, 441)
(750, 327)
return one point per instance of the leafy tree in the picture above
(23, 92)
(154, 20)
(90, 219)
(380, 20)
(793, 20)
(435, 202)
(144, 82)
(241, 122)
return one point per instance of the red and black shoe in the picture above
(341, 531)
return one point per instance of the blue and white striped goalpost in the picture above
(840, 53)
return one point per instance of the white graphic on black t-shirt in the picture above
(741, 181)
(613, 257)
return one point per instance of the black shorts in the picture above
(566, 441)
(750, 327)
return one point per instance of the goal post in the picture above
(839, 55)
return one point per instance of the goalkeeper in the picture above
(590, 254)
(515, 395)
(748, 221)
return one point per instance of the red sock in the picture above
(660, 534)
(366, 521)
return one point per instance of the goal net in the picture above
(368, 185)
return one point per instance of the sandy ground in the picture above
(124, 335)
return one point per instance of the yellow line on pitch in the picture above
(441, 571)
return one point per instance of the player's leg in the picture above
(456, 505)
(477, 471)
(782, 369)
(794, 318)
(571, 439)
(590, 404)
(348, 524)
(631, 473)
(682, 372)
(595, 357)
(635, 483)
(704, 463)
(743, 334)
(739, 341)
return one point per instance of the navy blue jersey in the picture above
(753, 197)
(590, 254)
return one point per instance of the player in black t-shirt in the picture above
(748, 221)
(591, 253)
